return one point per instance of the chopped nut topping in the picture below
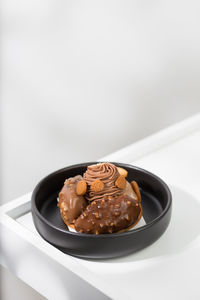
(117, 213)
(96, 215)
(67, 182)
(127, 217)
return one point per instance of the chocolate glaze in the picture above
(108, 174)
(71, 205)
(109, 215)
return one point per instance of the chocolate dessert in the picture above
(71, 203)
(109, 215)
(102, 201)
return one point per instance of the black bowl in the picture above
(156, 203)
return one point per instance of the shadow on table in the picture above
(183, 229)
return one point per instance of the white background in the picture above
(81, 79)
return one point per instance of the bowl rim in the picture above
(34, 209)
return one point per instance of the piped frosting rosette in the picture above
(105, 174)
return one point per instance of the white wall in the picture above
(81, 79)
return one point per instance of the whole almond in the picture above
(97, 186)
(120, 182)
(122, 171)
(81, 188)
(136, 189)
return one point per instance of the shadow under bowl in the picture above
(156, 204)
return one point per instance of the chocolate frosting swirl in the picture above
(108, 174)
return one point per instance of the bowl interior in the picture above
(153, 190)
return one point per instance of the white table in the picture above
(168, 269)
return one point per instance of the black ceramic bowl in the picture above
(156, 203)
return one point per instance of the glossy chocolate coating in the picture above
(109, 215)
(71, 205)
